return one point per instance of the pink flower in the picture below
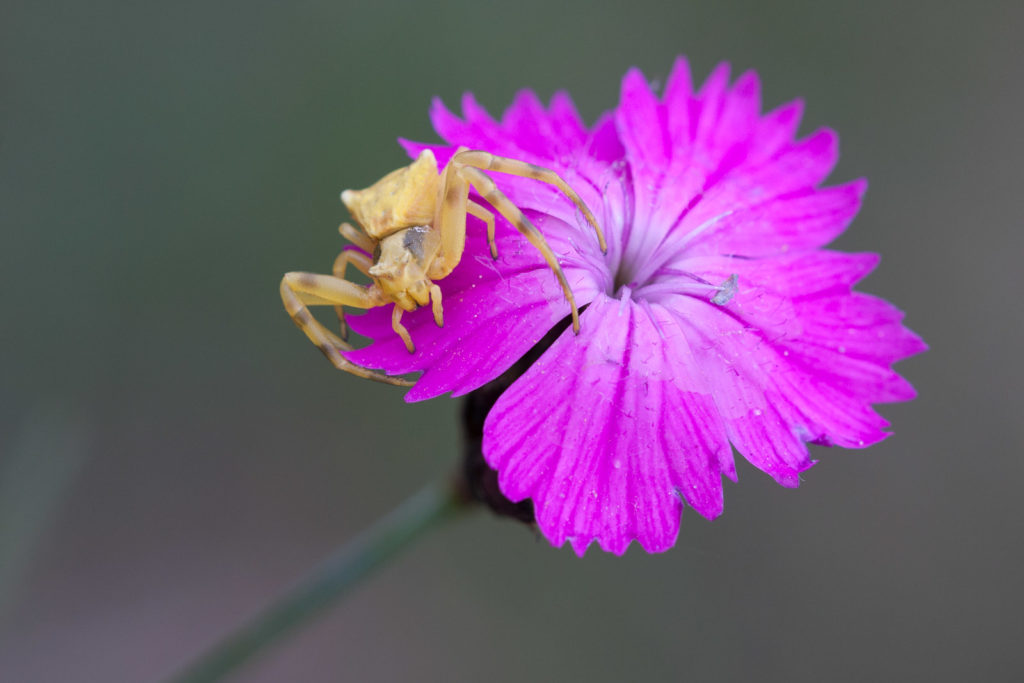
(715, 317)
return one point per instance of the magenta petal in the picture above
(710, 102)
(709, 137)
(776, 130)
(846, 341)
(645, 144)
(760, 420)
(678, 91)
(604, 143)
(448, 125)
(566, 121)
(762, 357)
(799, 221)
(859, 325)
(474, 113)
(476, 131)
(740, 112)
(772, 208)
(796, 276)
(527, 122)
(609, 431)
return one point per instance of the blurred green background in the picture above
(173, 452)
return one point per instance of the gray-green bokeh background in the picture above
(173, 452)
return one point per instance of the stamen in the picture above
(691, 236)
(720, 295)
(726, 291)
(669, 249)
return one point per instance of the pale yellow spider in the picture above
(413, 221)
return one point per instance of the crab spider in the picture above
(413, 221)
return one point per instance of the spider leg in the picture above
(490, 192)
(490, 162)
(400, 330)
(362, 262)
(435, 303)
(487, 217)
(452, 204)
(357, 237)
(299, 290)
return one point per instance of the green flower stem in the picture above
(335, 577)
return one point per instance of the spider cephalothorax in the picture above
(413, 221)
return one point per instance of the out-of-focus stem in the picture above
(325, 585)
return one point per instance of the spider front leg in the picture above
(489, 191)
(488, 218)
(403, 332)
(435, 303)
(362, 262)
(400, 329)
(299, 290)
(357, 237)
(490, 162)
